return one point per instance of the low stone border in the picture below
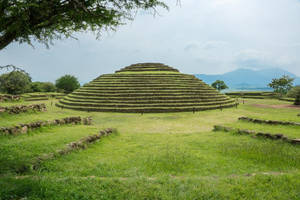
(272, 122)
(257, 134)
(36, 99)
(25, 128)
(73, 146)
(23, 108)
(7, 97)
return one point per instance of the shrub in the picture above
(219, 85)
(282, 85)
(48, 87)
(36, 87)
(297, 100)
(295, 93)
(15, 82)
(67, 83)
(42, 87)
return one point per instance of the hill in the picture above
(247, 79)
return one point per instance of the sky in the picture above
(196, 37)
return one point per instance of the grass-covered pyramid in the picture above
(146, 88)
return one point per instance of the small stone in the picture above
(24, 129)
(295, 141)
(278, 136)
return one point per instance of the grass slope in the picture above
(154, 156)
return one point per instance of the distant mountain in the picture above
(247, 79)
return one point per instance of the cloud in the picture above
(200, 36)
(217, 3)
(209, 45)
(205, 46)
(256, 59)
(252, 59)
(191, 47)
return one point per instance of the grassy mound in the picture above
(146, 88)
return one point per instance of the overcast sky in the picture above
(200, 36)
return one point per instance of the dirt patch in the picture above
(276, 106)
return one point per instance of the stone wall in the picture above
(25, 128)
(271, 122)
(278, 136)
(73, 146)
(23, 108)
(7, 97)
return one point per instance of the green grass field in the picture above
(154, 156)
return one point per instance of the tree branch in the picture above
(6, 39)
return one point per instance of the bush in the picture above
(67, 83)
(282, 85)
(48, 87)
(295, 93)
(297, 100)
(219, 85)
(36, 87)
(15, 82)
(42, 87)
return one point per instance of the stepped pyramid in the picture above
(146, 88)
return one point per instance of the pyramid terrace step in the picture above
(147, 94)
(142, 90)
(147, 109)
(122, 105)
(139, 85)
(146, 97)
(138, 101)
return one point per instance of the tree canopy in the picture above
(46, 20)
(219, 85)
(42, 87)
(295, 93)
(67, 83)
(282, 85)
(15, 82)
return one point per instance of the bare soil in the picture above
(276, 106)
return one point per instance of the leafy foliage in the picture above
(42, 87)
(67, 83)
(44, 20)
(48, 87)
(295, 93)
(282, 85)
(15, 82)
(219, 85)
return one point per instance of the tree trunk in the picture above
(6, 39)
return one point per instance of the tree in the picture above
(15, 82)
(67, 83)
(13, 68)
(42, 87)
(46, 20)
(36, 87)
(48, 87)
(219, 85)
(295, 93)
(282, 85)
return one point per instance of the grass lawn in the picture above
(154, 156)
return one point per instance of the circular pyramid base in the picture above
(146, 88)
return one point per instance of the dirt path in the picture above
(276, 106)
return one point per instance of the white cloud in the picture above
(217, 3)
(201, 36)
